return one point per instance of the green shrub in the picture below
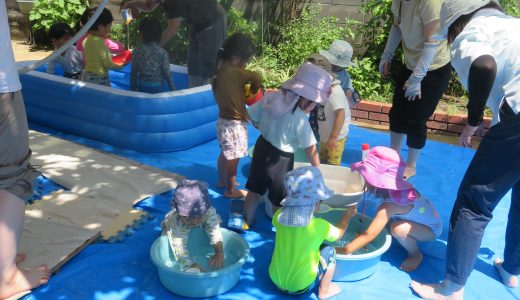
(268, 68)
(367, 81)
(299, 38)
(177, 47)
(238, 23)
(510, 7)
(47, 12)
(304, 36)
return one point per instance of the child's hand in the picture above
(351, 211)
(332, 144)
(217, 260)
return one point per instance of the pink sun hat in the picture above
(310, 82)
(383, 168)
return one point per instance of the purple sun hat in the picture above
(191, 198)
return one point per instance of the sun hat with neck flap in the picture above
(310, 82)
(451, 10)
(305, 187)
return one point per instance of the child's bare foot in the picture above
(409, 172)
(437, 291)
(20, 257)
(411, 262)
(25, 280)
(235, 194)
(508, 279)
(332, 291)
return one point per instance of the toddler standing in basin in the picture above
(409, 215)
(191, 208)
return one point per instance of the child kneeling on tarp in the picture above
(191, 208)
(410, 216)
(300, 261)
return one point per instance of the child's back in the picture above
(297, 252)
(300, 260)
(150, 62)
(229, 90)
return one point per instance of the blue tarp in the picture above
(124, 270)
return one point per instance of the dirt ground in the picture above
(24, 51)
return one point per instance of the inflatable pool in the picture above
(163, 122)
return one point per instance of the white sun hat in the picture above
(339, 54)
(451, 10)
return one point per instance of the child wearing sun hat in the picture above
(409, 215)
(339, 56)
(191, 208)
(300, 262)
(282, 119)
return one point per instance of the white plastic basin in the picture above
(348, 186)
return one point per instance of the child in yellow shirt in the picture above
(95, 52)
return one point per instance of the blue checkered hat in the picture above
(305, 187)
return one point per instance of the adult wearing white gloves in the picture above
(485, 52)
(420, 85)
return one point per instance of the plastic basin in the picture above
(348, 186)
(362, 263)
(206, 284)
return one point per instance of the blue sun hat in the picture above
(191, 198)
(305, 187)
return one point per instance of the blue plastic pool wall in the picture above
(132, 121)
(120, 79)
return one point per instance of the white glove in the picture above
(413, 84)
(394, 39)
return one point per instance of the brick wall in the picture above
(377, 114)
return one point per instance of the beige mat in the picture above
(103, 188)
(91, 173)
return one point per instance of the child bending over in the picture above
(229, 89)
(409, 215)
(96, 54)
(191, 208)
(71, 59)
(150, 62)
(281, 117)
(300, 261)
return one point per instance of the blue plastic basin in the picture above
(206, 284)
(362, 263)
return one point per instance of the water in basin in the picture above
(357, 225)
